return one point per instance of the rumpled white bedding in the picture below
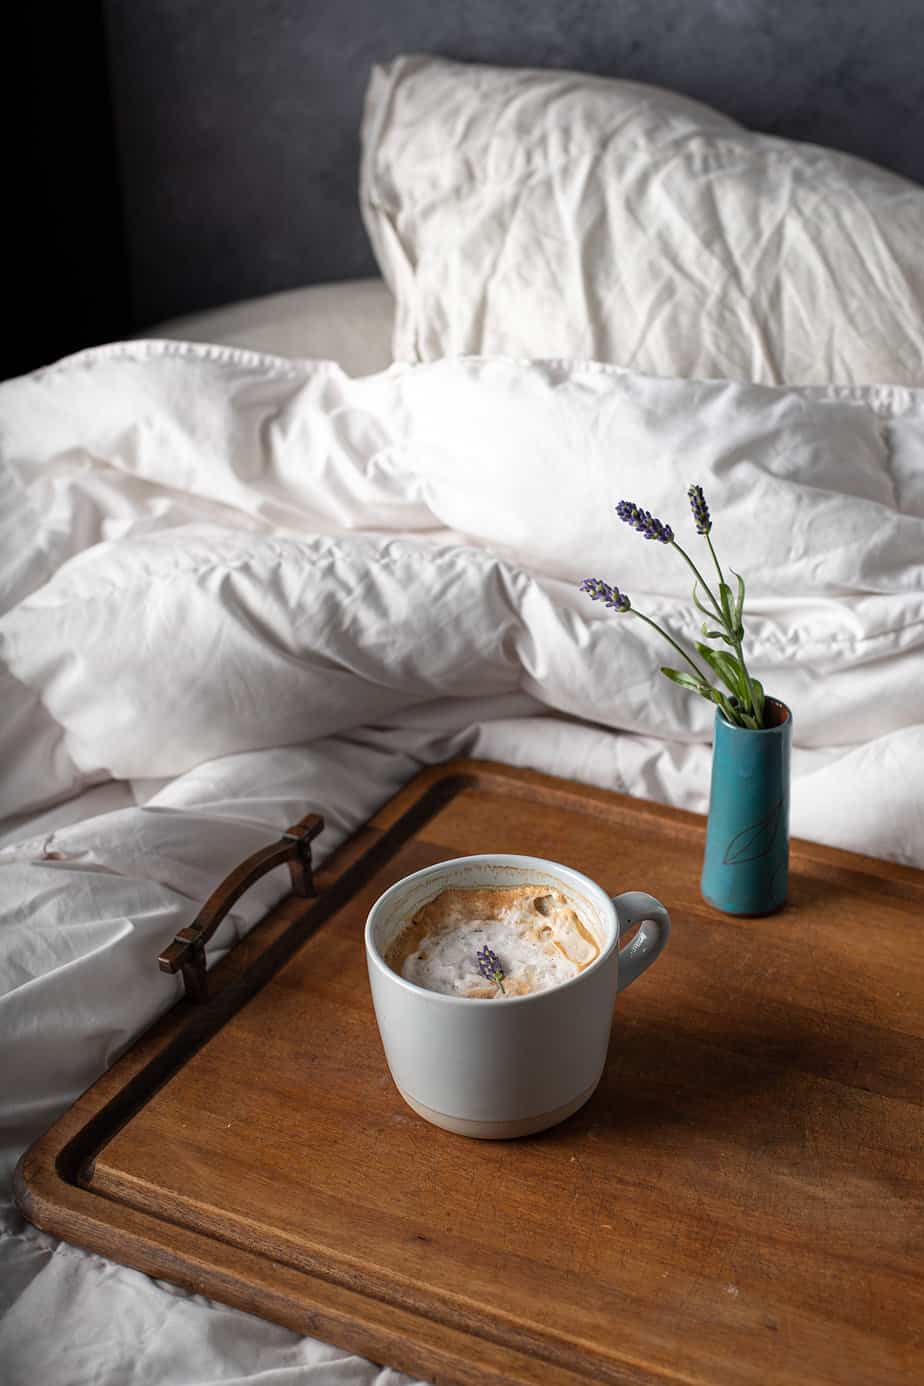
(236, 588)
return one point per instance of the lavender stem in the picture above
(671, 641)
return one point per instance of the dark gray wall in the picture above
(237, 119)
(65, 281)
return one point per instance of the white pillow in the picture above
(350, 323)
(546, 213)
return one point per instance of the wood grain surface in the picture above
(739, 1203)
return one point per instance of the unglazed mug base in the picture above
(499, 1130)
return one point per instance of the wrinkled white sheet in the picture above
(236, 588)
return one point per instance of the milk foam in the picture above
(538, 938)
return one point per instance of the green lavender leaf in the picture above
(706, 610)
(705, 690)
(686, 680)
(716, 634)
(739, 604)
(729, 708)
(727, 603)
(728, 670)
(733, 630)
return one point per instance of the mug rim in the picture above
(500, 858)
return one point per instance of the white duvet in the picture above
(236, 588)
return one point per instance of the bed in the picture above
(420, 294)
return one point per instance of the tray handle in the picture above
(187, 951)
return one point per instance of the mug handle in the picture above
(651, 938)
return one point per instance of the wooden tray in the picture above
(740, 1202)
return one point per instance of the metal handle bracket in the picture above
(186, 953)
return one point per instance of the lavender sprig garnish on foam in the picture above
(490, 968)
(743, 704)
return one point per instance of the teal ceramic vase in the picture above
(746, 865)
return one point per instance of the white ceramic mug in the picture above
(512, 1065)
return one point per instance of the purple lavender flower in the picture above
(600, 591)
(489, 966)
(700, 509)
(644, 522)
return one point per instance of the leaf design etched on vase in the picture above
(755, 841)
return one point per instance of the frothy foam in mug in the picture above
(538, 938)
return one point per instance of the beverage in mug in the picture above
(492, 1027)
(492, 941)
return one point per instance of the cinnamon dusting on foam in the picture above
(540, 939)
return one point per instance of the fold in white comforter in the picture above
(235, 588)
